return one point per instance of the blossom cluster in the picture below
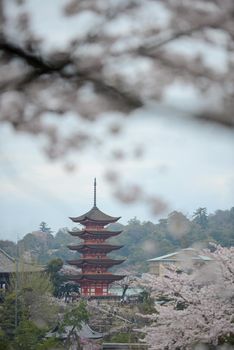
(195, 309)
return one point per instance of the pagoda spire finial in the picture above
(95, 193)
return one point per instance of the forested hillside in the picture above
(141, 240)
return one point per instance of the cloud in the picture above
(197, 165)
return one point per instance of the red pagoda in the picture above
(94, 278)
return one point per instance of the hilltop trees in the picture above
(44, 227)
(145, 240)
(141, 240)
(200, 306)
(200, 217)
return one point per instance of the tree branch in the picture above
(42, 66)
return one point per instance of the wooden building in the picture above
(9, 267)
(95, 279)
(185, 259)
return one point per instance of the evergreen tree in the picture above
(36, 313)
(57, 279)
(8, 316)
(44, 227)
(200, 217)
(74, 317)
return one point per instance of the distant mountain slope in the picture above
(141, 240)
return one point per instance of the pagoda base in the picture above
(94, 289)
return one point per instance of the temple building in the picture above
(9, 266)
(185, 259)
(95, 279)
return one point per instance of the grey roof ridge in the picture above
(163, 256)
(7, 255)
(203, 257)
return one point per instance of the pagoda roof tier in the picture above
(95, 262)
(96, 277)
(95, 215)
(89, 234)
(94, 247)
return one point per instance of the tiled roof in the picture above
(181, 255)
(93, 234)
(85, 332)
(95, 247)
(8, 264)
(96, 277)
(95, 262)
(95, 215)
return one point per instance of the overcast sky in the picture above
(189, 165)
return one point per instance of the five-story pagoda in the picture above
(94, 278)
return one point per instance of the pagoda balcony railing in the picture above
(94, 241)
(94, 228)
(94, 256)
(95, 273)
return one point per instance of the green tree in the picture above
(4, 343)
(34, 293)
(143, 240)
(74, 317)
(200, 217)
(30, 337)
(178, 224)
(124, 338)
(44, 227)
(27, 335)
(146, 305)
(8, 316)
(24, 325)
(57, 279)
